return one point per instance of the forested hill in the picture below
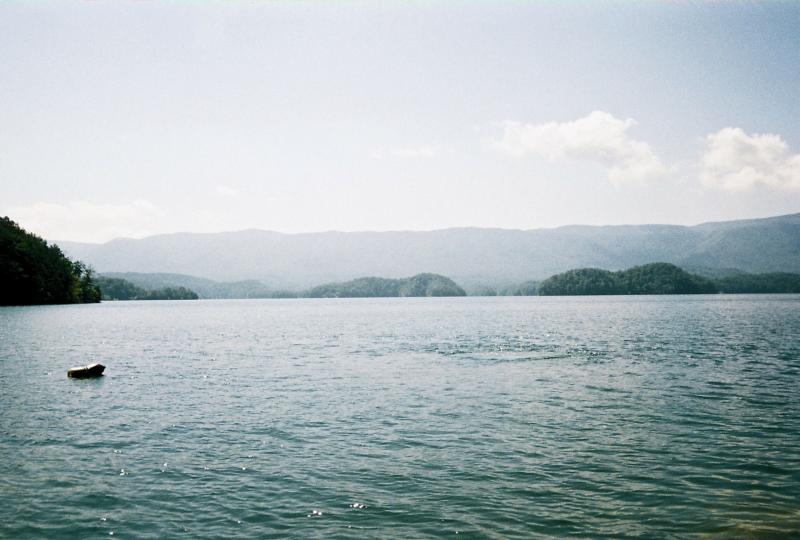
(371, 287)
(657, 278)
(122, 289)
(647, 279)
(472, 257)
(663, 278)
(205, 288)
(35, 272)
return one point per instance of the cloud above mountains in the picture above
(736, 161)
(731, 160)
(598, 138)
(727, 161)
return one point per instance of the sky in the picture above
(132, 119)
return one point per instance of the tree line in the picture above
(122, 289)
(372, 287)
(663, 278)
(35, 272)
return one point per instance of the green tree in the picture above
(35, 272)
(374, 287)
(655, 278)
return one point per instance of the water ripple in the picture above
(498, 418)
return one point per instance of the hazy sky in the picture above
(129, 119)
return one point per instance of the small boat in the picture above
(92, 370)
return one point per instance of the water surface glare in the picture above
(652, 417)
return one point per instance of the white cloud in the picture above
(88, 222)
(597, 138)
(736, 161)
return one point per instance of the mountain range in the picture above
(471, 256)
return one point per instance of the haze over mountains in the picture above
(470, 256)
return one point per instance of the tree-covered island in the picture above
(35, 272)
(663, 278)
(656, 278)
(371, 287)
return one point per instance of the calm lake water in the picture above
(652, 417)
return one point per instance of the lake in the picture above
(652, 417)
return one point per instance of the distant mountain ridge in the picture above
(470, 256)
